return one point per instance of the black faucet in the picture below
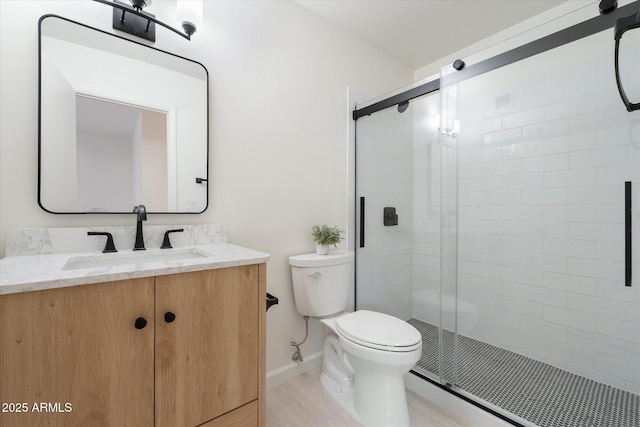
(142, 216)
(109, 246)
(166, 243)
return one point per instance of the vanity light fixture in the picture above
(133, 20)
(189, 14)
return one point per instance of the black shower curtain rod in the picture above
(560, 38)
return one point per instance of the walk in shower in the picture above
(516, 185)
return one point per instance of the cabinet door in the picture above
(72, 357)
(207, 356)
(244, 416)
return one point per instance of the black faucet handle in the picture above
(166, 243)
(109, 246)
(141, 210)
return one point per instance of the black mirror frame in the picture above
(42, 18)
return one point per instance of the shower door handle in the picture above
(628, 212)
(362, 222)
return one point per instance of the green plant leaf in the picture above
(325, 235)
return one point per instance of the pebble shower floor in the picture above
(540, 393)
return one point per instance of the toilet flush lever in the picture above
(315, 275)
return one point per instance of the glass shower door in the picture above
(448, 338)
(398, 165)
(546, 183)
(383, 180)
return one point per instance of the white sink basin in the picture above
(132, 258)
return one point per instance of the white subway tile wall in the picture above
(538, 171)
(384, 178)
(540, 216)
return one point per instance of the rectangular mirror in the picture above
(121, 124)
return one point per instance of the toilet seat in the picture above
(378, 331)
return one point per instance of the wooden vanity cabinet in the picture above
(85, 353)
(207, 357)
(77, 346)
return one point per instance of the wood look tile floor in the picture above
(302, 402)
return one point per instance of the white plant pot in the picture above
(322, 249)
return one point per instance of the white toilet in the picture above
(365, 354)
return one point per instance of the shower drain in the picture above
(538, 392)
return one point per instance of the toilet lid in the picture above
(379, 331)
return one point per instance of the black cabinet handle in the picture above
(140, 323)
(169, 317)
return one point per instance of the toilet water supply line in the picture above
(297, 355)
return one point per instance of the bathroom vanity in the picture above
(150, 338)
(153, 343)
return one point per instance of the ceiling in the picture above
(419, 32)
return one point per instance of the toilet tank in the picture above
(321, 283)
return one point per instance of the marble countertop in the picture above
(48, 271)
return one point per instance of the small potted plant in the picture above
(325, 236)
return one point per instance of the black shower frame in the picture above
(568, 35)
(557, 39)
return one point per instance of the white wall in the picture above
(105, 172)
(154, 160)
(63, 187)
(278, 139)
(427, 202)
(554, 19)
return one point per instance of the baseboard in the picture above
(291, 370)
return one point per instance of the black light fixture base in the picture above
(607, 6)
(133, 24)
